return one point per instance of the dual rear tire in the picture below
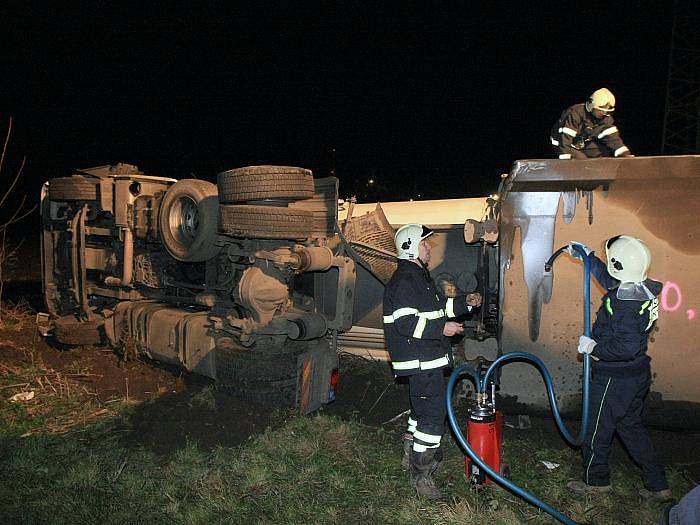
(263, 375)
(254, 202)
(265, 183)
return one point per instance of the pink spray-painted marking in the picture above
(691, 314)
(665, 304)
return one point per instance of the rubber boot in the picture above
(422, 467)
(407, 448)
(663, 495)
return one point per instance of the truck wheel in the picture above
(257, 183)
(74, 188)
(69, 331)
(265, 222)
(188, 220)
(267, 377)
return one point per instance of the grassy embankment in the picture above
(63, 460)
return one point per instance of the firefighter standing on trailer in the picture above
(621, 368)
(416, 329)
(588, 130)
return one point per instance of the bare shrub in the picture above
(17, 213)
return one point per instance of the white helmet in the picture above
(628, 259)
(601, 99)
(407, 239)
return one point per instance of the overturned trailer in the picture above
(543, 205)
(547, 203)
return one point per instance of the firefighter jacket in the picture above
(414, 318)
(579, 135)
(621, 329)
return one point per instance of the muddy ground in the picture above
(172, 408)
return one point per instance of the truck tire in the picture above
(69, 331)
(74, 188)
(268, 377)
(265, 222)
(257, 183)
(187, 220)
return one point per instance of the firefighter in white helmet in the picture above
(418, 323)
(621, 372)
(588, 130)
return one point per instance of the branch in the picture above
(14, 217)
(17, 175)
(7, 140)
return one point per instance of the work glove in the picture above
(574, 253)
(586, 345)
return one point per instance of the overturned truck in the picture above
(253, 281)
(223, 279)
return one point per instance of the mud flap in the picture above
(317, 373)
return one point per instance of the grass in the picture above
(315, 469)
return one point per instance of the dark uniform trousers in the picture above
(616, 406)
(427, 397)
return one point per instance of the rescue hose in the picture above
(505, 482)
(482, 382)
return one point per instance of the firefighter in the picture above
(588, 130)
(417, 328)
(621, 372)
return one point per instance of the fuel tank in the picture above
(178, 336)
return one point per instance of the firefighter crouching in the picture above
(416, 330)
(588, 130)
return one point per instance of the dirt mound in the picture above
(369, 393)
(198, 415)
(99, 369)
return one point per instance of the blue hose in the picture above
(482, 382)
(489, 471)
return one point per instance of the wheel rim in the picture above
(184, 220)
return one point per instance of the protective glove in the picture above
(574, 253)
(586, 345)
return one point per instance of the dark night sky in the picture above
(433, 101)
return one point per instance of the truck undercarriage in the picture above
(220, 279)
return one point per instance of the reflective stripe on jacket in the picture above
(578, 135)
(414, 318)
(621, 329)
